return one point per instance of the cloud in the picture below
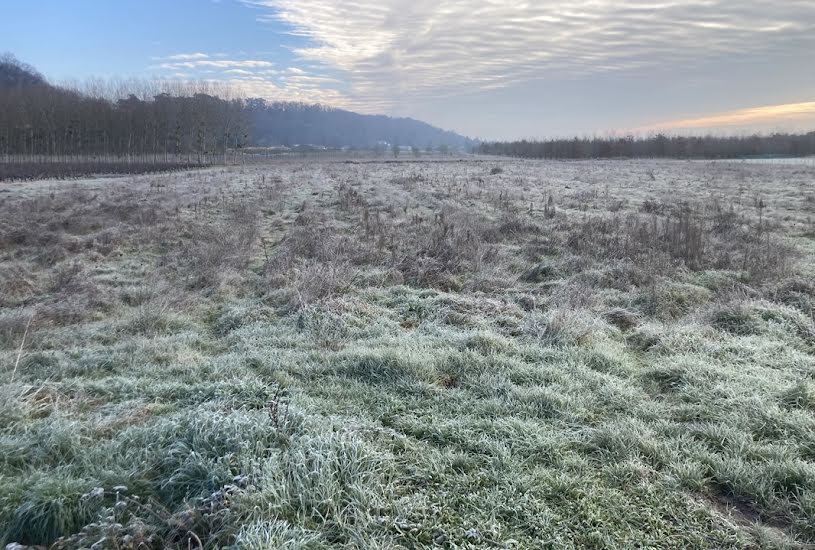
(288, 90)
(755, 117)
(216, 64)
(189, 56)
(183, 56)
(393, 51)
(643, 59)
(255, 78)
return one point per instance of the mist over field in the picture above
(363, 275)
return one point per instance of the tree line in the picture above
(658, 146)
(139, 122)
(138, 126)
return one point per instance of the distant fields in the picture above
(476, 354)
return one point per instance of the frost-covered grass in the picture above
(336, 355)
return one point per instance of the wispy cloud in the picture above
(410, 50)
(755, 117)
(184, 56)
(286, 89)
(181, 57)
(215, 64)
(255, 78)
(400, 56)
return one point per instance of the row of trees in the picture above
(679, 147)
(124, 121)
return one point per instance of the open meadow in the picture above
(471, 354)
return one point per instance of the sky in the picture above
(491, 69)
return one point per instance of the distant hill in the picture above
(276, 124)
(15, 74)
(266, 123)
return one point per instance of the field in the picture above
(476, 354)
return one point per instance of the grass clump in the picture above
(737, 319)
(799, 396)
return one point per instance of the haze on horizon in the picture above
(484, 68)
